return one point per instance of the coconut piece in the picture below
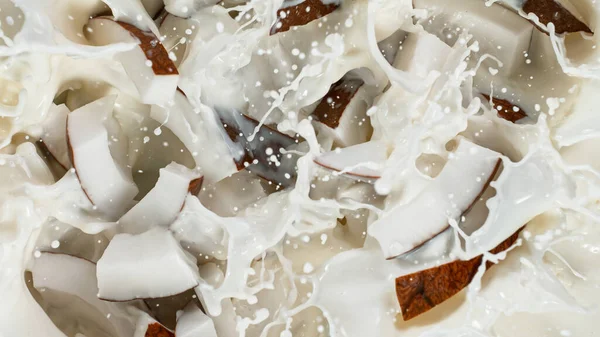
(54, 134)
(422, 291)
(492, 26)
(463, 179)
(193, 322)
(74, 276)
(162, 204)
(506, 109)
(148, 265)
(149, 66)
(421, 53)
(364, 160)
(107, 184)
(263, 155)
(562, 15)
(342, 112)
(293, 14)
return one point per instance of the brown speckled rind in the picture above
(153, 49)
(331, 108)
(298, 15)
(420, 292)
(505, 109)
(157, 330)
(196, 186)
(552, 11)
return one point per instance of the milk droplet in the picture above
(55, 244)
(220, 27)
(308, 268)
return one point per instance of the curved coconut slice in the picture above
(74, 276)
(106, 184)
(463, 179)
(199, 136)
(148, 265)
(178, 34)
(262, 155)
(422, 291)
(342, 112)
(492, 26)
(162, 204)
(506, 109)
(193, 322)
(148, 66)
(293, 14)
(421, 53)
(54, 134)
(360, 161)
(561, 13)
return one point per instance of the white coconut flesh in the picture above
(364, 160)
(54, 134)
(54, 274)
(148, 66)
(511, 32)
(421, 53)
(147, 265)
(353, 127)
(107, 184)
(193, 322)
(156, 210)
(461, 181)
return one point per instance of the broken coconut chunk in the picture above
(194, 323)
(506, 109)
(148, 265)
(264, 154)
(499, 31)
(421, 53)
(293, 14)
(54, 134)
(149, 66)
(463, 179)
(422, 291)
(342, 112)
(562, 14)
(359, 161)
(162, 204)
(68, 275)
(108, 185)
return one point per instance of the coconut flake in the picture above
(162, 204)
(464, 177)
(364, 160)
(148, 265)
(108, 186)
